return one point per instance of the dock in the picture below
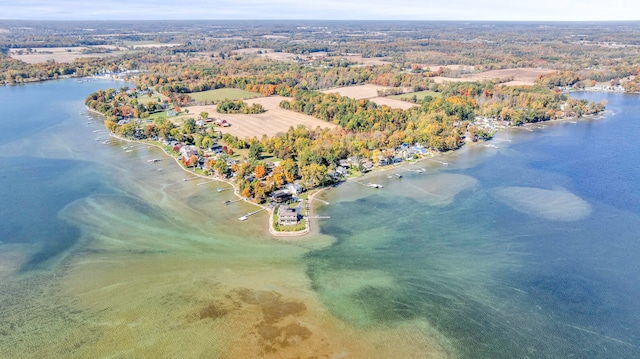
(370, 185)
(244, 218)
(440, 162)
(228, 202)
(201, 183)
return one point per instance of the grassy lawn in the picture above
(222, 94)
(420, 95)
(144, 99)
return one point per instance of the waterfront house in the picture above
(287, 216)
(382, 161)
(367, 166)
(281, 196)
(187, 152)
(294, 188)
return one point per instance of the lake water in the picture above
(522, 249)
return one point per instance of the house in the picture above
(367, 166)
(343, 163)
(171, 113)
(419, 149)
(287, 216)
(294, 188)
(281, 196)
(216, 148)
(342, 171)
(382, 161)
(187, 152)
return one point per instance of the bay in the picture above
(522, 249)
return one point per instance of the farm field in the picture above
(146, 44)
(520, 76)
(393, 103)
(222, 94)
(274, 120)
(357, 92)
(57, 54)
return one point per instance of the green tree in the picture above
(255, 151)
(189, 126)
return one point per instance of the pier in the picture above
(244, 218)
(228, 202)
(440, 162)
(201, 183)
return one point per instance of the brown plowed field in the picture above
(274, 120)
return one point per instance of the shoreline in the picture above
(280, 235)
(272, 231)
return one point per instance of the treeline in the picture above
(626, 77)
(238, 106)
(274, 77)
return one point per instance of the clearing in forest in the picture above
(520, 76)
(393, 103)
(222, 94)
(358, 92)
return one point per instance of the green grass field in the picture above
(144, 99)
(222, 94)
(420, 95)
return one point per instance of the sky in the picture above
(507, 10)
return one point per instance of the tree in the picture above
(193, 161)
(260, 171)
(204, 115)
(255, 151)
(207, 142)
(189, 126)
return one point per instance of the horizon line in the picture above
(334, 20)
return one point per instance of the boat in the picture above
(243, 218)
(398, 175)
(374, 185)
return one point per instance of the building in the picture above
(287, 216)
(294, 188)
(281, 196)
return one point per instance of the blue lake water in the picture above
(523, 249)
(534, 258)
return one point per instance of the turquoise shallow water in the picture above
(524, 250)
